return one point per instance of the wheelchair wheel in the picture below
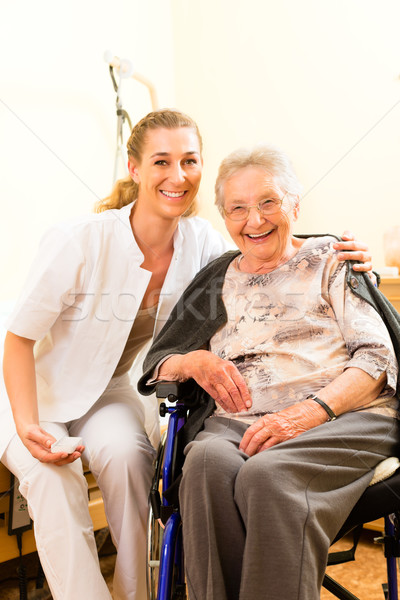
(154, 541)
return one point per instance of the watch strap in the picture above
(327, 409)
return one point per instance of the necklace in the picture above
(262, 270)
(238, 261)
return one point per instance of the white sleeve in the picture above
(214, 245)
(54, 280)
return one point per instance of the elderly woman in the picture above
(299, 394)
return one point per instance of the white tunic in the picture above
(81, 298)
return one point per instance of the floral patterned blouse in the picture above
(292, 331)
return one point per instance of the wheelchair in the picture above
(165, 557)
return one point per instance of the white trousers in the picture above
(120, 457)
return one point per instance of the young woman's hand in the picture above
(351, 249)
(39, 442)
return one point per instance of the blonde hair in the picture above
(270, 158)
(126, 190)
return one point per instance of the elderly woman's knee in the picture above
(211, 459)
(265, 473)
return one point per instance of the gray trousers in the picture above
(260, 528)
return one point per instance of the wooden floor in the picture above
(364, 577)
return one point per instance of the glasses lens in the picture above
(238, 213)
(267, 207)
(270, 206)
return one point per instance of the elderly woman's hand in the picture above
(351, 249)
(272, 429)
(219, 378)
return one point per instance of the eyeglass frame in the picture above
(257, 206)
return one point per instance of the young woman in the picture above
(99, 288)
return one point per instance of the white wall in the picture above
(57, 109)
(318, 78)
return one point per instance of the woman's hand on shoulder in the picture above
(218, 377)
(274, 428)
(39, 442)
(351, 249)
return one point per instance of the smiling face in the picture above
(169, 171)
(264, 241)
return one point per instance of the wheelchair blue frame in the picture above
(391, 559)
(171, 576)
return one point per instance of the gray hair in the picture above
(270, 158)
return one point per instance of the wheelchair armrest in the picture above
(171, 390)
(182, 391)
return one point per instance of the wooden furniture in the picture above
(8, 544)
(390, 286)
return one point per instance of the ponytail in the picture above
(124, 192)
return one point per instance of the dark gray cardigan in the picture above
(200, 312)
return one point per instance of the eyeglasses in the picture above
(266, 207)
